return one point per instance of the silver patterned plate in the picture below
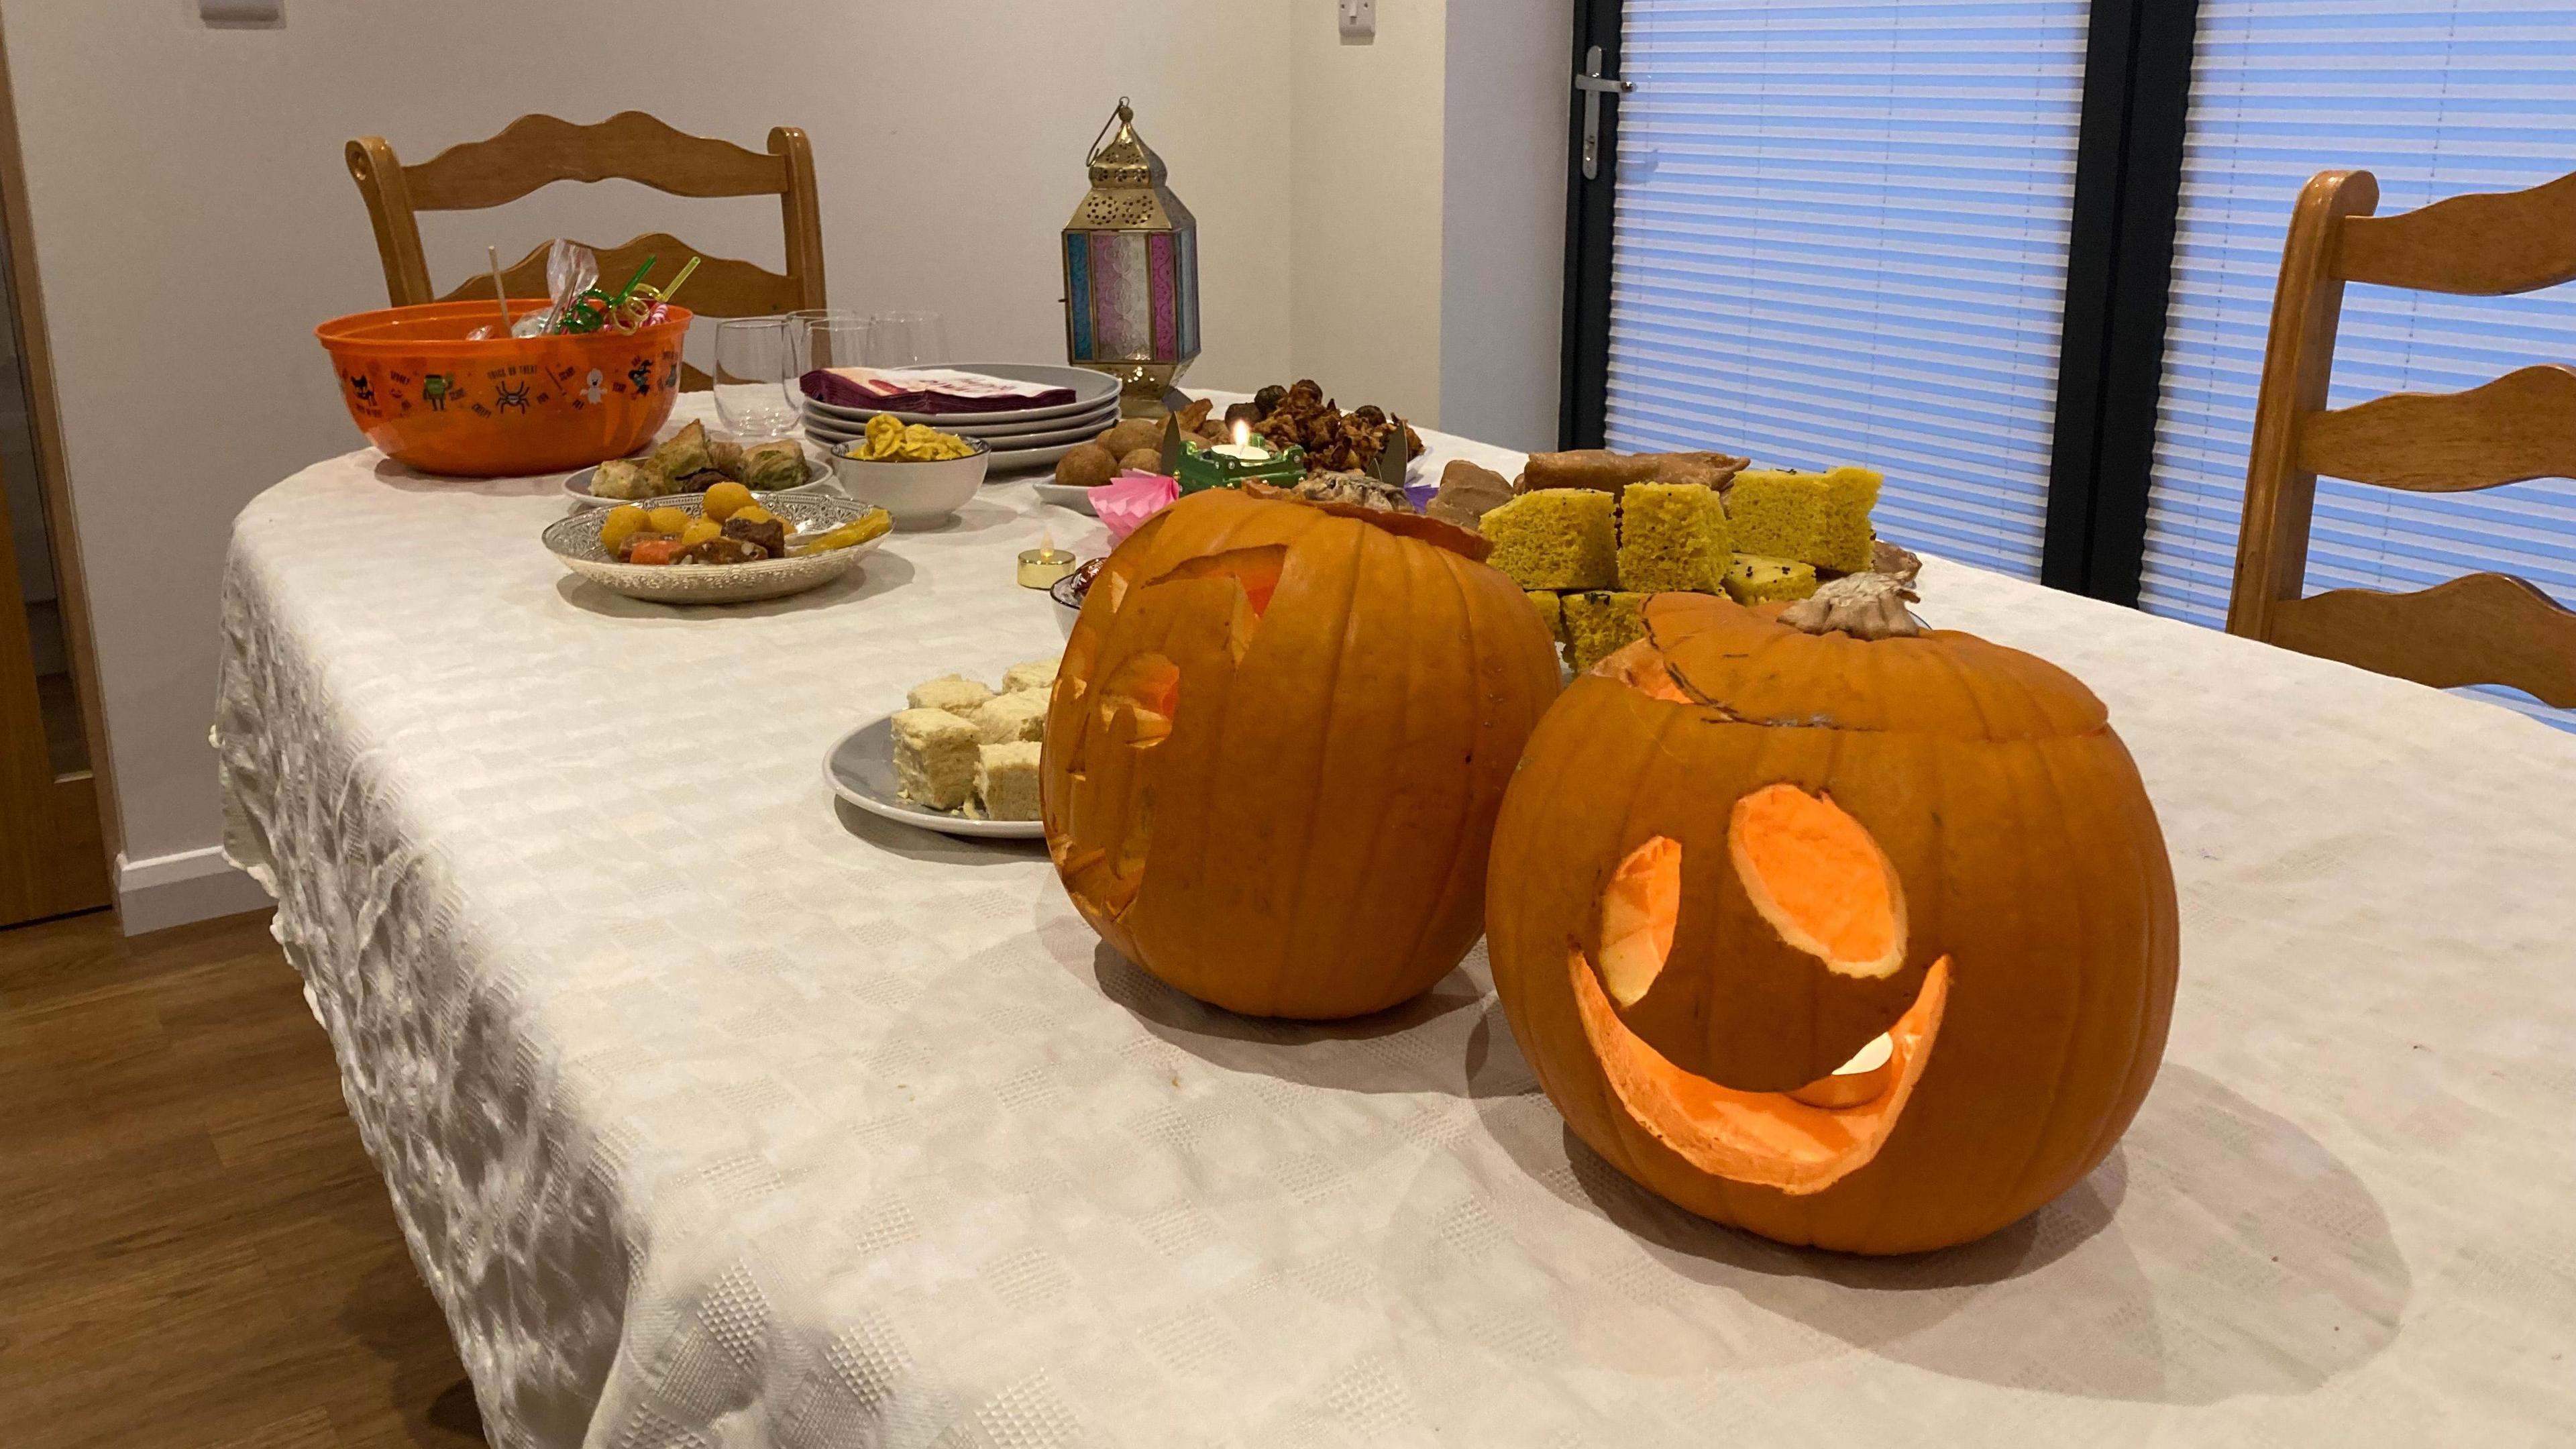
(575, 540)
(860, 769)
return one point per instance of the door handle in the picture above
(1594, 86)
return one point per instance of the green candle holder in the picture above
(1203, 467)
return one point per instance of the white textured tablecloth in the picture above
(717, 1114)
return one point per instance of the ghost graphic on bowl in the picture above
(597, 385)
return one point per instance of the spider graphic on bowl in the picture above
(506, 396)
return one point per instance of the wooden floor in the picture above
(194, 1249)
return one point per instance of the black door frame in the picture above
(2119, 268)
(1584, 389)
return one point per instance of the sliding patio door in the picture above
(1840, 235)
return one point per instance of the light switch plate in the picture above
(1359, 19)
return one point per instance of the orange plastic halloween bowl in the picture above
(441, 403)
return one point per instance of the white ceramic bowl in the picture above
(917, 494)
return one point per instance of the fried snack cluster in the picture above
(1335, 441)
(889, 440)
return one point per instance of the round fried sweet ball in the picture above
(1088, 465)
(1143, 460)
(1133, 434)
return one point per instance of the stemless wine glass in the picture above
(755, 377)
(825, 337)
(906, 339)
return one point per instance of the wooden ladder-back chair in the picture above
(2485, 628)
(536, 151)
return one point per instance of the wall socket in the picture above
(1359, 21)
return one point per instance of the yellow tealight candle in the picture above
(1041, 566)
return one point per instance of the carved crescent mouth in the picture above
(1771, 1139)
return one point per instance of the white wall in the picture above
(1365, 240)
(1502, 274)
(194, 221)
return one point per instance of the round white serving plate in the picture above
(860, 769)
(1022, 459)
(1065, 495)
(828, 433)
(575, 540)
(1090, 390)
(818, 479)
(1082, 432)
(1099, 420)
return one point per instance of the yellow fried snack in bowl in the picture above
(890, 440)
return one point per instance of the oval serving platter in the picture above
(575, 541)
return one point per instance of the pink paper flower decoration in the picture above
(1126, 501)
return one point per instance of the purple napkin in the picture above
(831, 387)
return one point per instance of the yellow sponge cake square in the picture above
(1599, 623)
(1555, 538)
(1673, 538)
(1551, 612)
(1812, 518)
(1754, 579)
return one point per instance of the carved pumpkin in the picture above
(1863, 943)
(1278, 739)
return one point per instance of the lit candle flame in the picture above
(1242, 432)
(1046, 540)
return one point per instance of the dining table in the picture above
(715, 1112)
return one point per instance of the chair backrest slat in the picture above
(2484, 628)
(2484, 244)
(2469, 630)
(2522, 425)
(537, 151)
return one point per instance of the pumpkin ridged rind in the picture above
(1323, 803)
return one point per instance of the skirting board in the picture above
(172, 890)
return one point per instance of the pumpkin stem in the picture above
(1865, 606)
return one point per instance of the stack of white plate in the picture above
(1022, 438)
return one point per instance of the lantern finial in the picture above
(1125, 160)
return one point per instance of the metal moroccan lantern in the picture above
(1131, 272)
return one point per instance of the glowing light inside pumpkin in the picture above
(1818, 877)
(1147, 687)
(1775, 1139)
(1870, 1058)
(1639, 910)
(1858, 1081)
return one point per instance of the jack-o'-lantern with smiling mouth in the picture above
(1833, 929)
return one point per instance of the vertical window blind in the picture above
(2434, 99)
(1840, 237)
